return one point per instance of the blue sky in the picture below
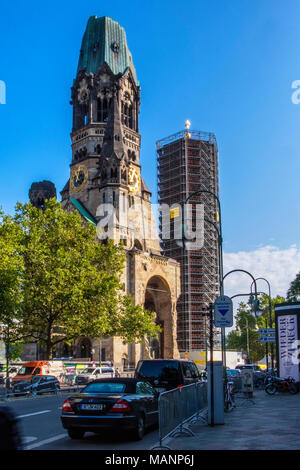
(226, 65)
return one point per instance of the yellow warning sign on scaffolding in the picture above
(175, 212)
(202, 358)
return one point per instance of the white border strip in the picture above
(288, 307)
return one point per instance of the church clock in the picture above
(79, 177)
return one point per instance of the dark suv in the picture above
(167, 374)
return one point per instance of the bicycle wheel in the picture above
(270, 389)
(293, 388)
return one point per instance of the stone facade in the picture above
(107, 188)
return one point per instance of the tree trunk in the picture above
(49, 344)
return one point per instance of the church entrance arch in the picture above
(85, 348)
(158, 300)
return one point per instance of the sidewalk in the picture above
(272, 423)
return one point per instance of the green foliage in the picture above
(68, 283)
(11, 272)
(245, 337)
(293, 294)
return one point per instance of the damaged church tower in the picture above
(105, 171)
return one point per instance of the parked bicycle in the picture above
(276, 384)
(229, 402)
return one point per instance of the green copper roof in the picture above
(97, 47)
(82, 210)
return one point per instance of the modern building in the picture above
(187, 162)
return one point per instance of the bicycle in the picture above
(229, 402)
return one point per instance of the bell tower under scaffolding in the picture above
(188, 162)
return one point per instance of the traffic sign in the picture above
(267, 331)
(266, 335)
(223, 312)
(266, 339)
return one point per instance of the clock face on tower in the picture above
(133, 179)
(79, 177)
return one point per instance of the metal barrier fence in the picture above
(176, 407)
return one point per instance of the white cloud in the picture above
(278, 266)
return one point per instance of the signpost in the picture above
(266, 335)
(223, 312)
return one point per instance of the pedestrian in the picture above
(10, 435)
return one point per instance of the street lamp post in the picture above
(247, 333)
(270, 314)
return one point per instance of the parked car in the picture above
(114, 403)
(167, 374)
(254, 367)
(38, 384)
(92, 373)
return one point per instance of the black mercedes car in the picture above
(111, 404)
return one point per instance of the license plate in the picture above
(91, 407)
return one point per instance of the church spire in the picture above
(105, 41)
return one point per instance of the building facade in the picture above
(107, 188)
(187, 162)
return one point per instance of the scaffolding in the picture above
(188, 162)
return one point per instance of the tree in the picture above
(11, 271)
(245, 337)
(71, 283)
(293, 294)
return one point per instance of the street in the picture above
(41, 428)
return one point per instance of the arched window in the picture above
(103, 105)
(122, 112)
(130, 124)
(138, 245)
(98, 149)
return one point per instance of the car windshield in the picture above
(26, 371)
(105, 387)
(88, 370)
(160, 370)
(232, 372)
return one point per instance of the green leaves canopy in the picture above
(69, 283)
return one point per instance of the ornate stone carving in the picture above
(40, 192)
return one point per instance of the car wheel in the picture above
(140, 428)
(75, 433)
